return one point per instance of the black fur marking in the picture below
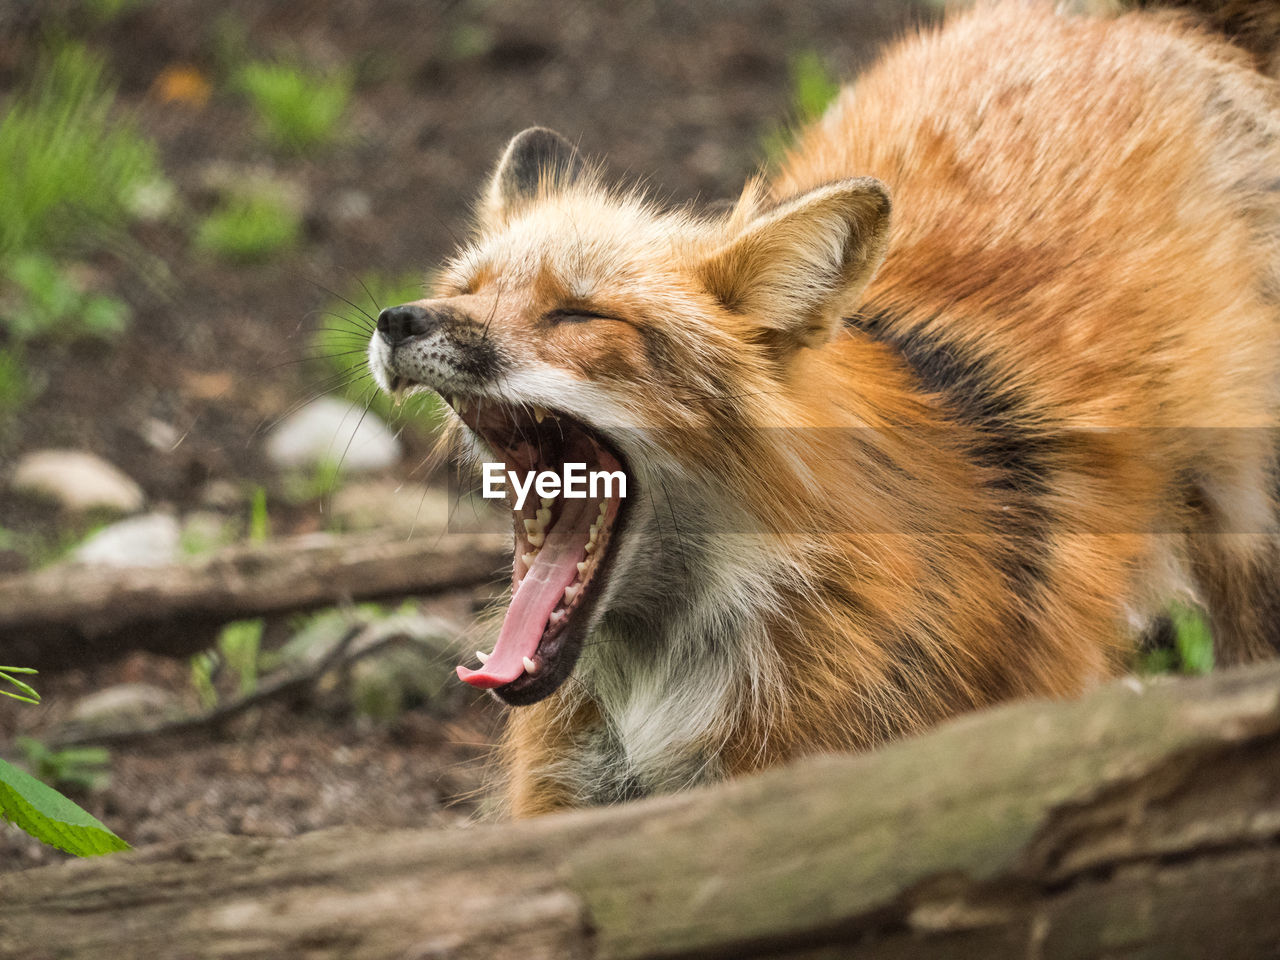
(535, 156)
(1010, 448)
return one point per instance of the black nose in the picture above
(397, 324)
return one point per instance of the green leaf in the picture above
(50, 817)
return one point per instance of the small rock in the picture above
(351, 205)
(333, 431)
(125, 704)
(77, 481)
(151, 540)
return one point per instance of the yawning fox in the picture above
(944, 414)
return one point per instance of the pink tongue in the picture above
(554, 568)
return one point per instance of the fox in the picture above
(944, 411)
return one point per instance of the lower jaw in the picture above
(527, 689)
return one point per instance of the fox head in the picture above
(586, 325)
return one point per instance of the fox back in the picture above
(945, 413)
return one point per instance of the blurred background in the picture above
(202, 206)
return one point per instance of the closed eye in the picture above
(574, 315)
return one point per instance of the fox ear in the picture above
(536, 160)
(795, 268)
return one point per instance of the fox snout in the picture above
(435, 344)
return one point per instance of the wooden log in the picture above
(74, 615)
(1136, 822)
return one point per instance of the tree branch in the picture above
(72, 615)
(1142, 823)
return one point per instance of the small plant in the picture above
(1192, 647)
(25, 692)
(70, 165)
(203, 667)
(42, 811)
(47, 302)
(81, 769)
(296, 109)
(259, 519)
(323, 480)
(239, 643)
(250, 227)
(813, 88)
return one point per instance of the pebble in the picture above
(124, 703)
(150, 540)
(330, 430)
(77, 480)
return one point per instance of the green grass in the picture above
(250, 227)
(297, 109)
(71, 164)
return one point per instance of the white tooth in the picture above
(482, 657)
(590, 547)
(532, 526)
(528, 557)
(595, 528)
(548, 501)
(530, 666)
(557, 617)
(604, 507)
(544, 517)
(582, 568)
(570, 592)
(460, 404)
(536, 539)
(539, 413)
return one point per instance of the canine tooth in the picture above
(530, 666)
(539, 413)
(570, 592)
(528, 557)
(482, 657)
(582, 568)
(460, 404)
(536, 539)
(544, 516)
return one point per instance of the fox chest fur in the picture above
(945, 413)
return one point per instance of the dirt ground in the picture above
(681, 94)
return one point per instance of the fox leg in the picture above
(1239, 579)
(1235, 560)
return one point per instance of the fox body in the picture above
(944, 414)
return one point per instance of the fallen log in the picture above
(75, 615)
(1139, 821)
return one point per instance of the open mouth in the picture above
(562, 542)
